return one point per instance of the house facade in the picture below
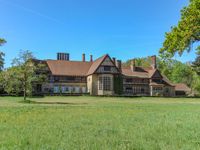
(104, 76)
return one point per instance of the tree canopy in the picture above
(182, 37)
(2, 41)
(23, 75)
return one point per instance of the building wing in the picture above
(68, 68)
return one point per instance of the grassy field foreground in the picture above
(100, 123)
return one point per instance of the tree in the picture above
(11, 82)
(196, 63)
(185, 34)
(182, 73)
(2, 41)
(27, 72)
(144, 62)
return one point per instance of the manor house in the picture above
(104, 76)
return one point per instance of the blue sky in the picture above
(123, 28)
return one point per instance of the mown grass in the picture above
(100, 123)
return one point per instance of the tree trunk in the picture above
(25, 92)
(25, 78)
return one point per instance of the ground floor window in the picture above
(105, 83)
(69, 89)
(157, 89)
(129, 90)
(56, 89)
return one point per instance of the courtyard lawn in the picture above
(99, 123)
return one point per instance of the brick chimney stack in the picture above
(133, 68)
(91, 58)
(83, 57)
(67, 56)
(154, 63)
(63, 56)
(119, 65)
(114, 60)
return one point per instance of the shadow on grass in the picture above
(61, 103)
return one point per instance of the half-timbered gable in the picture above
(107, 66)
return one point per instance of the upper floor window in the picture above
(107, 68)
(157, 80)
(129, 80)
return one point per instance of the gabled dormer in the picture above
(104, 65)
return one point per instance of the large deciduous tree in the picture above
(196, 63)
(2, 41)
(185, 34)
(26, 72)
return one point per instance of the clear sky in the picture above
(123, 28)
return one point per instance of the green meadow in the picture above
(99, 123)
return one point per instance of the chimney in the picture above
(83, 57)
(91, 58)
(63, 56)
(67, 56)
(133, 65)
(153, 65)
(119, 65)
(114, 60)
(58, 56)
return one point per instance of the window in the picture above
(157, 80)
(107, 68)
(67, 89)
(105, 83)
(56, 78)
(71, 78)
(142, 90)
(100, 83)
(157, 89)
(129, 80)
(129, 90)
(56, 89)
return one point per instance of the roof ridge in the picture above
(70, 61)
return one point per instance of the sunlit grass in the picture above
(99, 123)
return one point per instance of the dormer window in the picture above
(107, 68)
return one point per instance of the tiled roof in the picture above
(165, 79)
(182, 87)
(70, 68)
(96, 64)
(140, 72)
(151, 72)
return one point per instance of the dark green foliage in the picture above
(24, 75)
(196, 65)
(13, 85)
(2, 41)
(118, 84)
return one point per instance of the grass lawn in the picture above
(100, 123)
